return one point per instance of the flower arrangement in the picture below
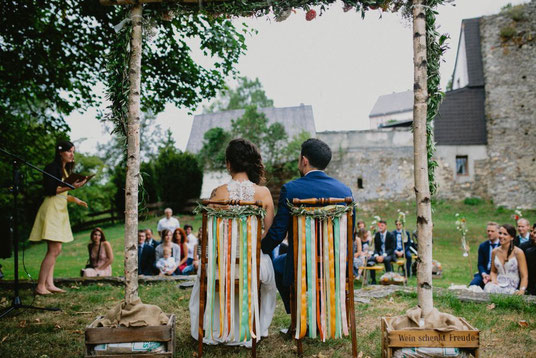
(374, 224)
(517, 215)
(461, 226)
(402, 219)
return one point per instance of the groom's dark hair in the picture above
(317, 152)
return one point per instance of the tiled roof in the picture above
(393, 103)
(462, 119)
(473, 50)
(295, 119)
(471, 32)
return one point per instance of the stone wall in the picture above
(452, 186)
(382, 160)
(510, 82)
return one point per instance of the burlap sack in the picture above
(135, 314)
(436, 320)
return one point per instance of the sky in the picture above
(338, 63)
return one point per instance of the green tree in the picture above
(280, 155)
(247, 93)
(179, 177)
(212, 154)
(54, 53)
(98, 192)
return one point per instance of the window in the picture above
(462, 165)
(359, 183)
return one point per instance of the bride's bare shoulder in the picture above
(262, 192)
(219, 193)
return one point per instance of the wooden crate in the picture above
(394, 339)
(102, 335)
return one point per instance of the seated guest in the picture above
(361, 225)
(403, 244)
(166, 264)
(149, 238)
(523, 229)
(192, 239)
(192, 251)
(101, 255)
(167, 237)
(168, 222)
(362, 247)
(484, 255)
(146, 255)
(384, 249)
(508, 265)
(529, 248)
(180, 238)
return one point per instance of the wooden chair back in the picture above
(230, 264)
(322, 297)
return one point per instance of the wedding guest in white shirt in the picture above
(168, 223)
(192, 239)
(523, 229)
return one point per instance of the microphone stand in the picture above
(16, 303)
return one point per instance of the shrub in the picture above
(516, 13)
(473, 201)
(507, 33)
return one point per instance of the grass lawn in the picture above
(60, 334)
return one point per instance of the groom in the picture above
(314, 183)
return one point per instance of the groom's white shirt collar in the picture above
(314, 170)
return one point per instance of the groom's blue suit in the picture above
(315, 184)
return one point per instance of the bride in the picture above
(509, 266)
(244, 163)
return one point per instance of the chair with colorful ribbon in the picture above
(230, 267)
(322, 296)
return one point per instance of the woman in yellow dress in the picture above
(52, 220)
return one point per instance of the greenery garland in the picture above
(331, 211)
(117, 82)
(232, 211)
(435, 48)
(281, 8)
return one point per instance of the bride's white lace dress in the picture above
(244, 190)
(507, 277)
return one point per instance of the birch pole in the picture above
(422, 189)
(133, 157)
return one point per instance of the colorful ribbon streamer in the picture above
(322, 266)
(230, 239)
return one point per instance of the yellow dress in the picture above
(52, 220)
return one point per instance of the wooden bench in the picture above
(366, 269)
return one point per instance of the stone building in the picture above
(394, 108)
(485, 131)
(295, 120)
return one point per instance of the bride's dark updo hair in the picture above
(244, 156)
